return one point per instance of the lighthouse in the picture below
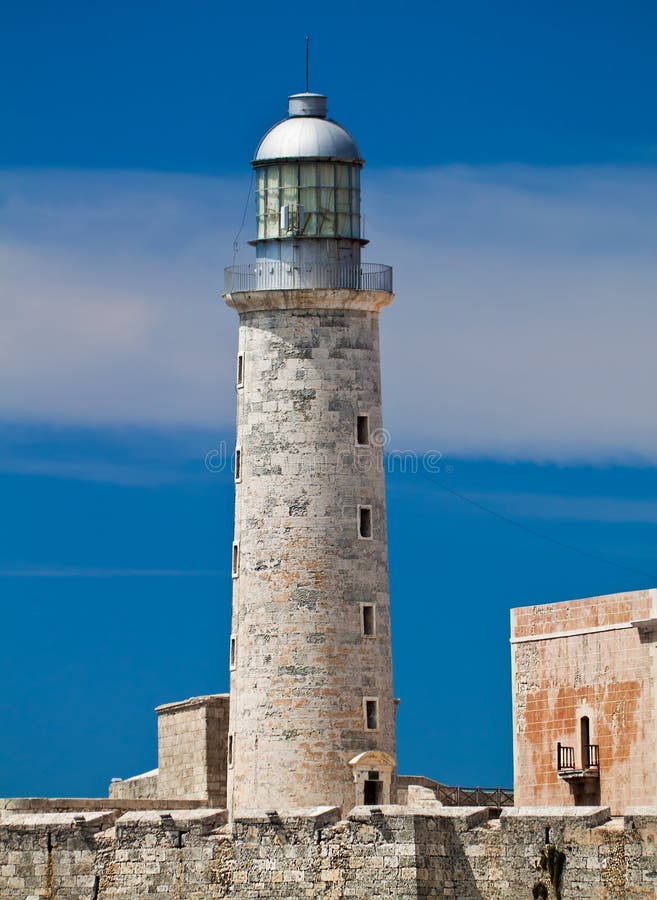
(312, 714)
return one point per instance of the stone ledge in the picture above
(152, 773)
(44, 821)
(462, 817)
(192, 703)
(75, 804)
(588, 815)
(640, 812)
(309, 299)
(318, 816)
(204, 819)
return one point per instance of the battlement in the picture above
(375, 852)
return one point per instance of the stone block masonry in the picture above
(376, 853)
(192, 749)
(310, 691)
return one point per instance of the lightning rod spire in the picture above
(307, 64)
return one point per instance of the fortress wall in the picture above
(51, 855)
(375, 853)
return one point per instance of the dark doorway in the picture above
(372, 793)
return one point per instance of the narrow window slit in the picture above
(230, 749)
(236, 559)
(365, 521)
(233, 652)
(371, 714)
(368, 621)
(240, 369)
(363, 431)
(238, 464)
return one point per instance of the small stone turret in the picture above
(312, 717)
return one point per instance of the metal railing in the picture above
(593, 756)
(566, 757)
(477, 796)
(272, 275)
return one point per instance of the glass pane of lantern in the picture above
(310, 224)
(327, 225)
(307, 174)
(344, 225)
(289, 175)
(342, 200)
(326, 177)
(272, 214)
(342, 175)
(327, 199)
(308, 199)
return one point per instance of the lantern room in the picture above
(308, 197)
(309, 230)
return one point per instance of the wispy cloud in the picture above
(523, 325)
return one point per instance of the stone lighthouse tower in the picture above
(312, 718)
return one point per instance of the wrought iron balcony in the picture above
(270, 275)
(590, 767)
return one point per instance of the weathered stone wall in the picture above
(52, 855)
(302, 667)
(586, 658)
(374, 854)
(192, 749)
(139, 787)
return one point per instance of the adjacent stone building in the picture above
(585, 702)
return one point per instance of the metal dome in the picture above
(307, 134)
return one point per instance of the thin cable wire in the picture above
(539, 534)
(241, 228)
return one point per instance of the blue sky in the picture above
(511, 181)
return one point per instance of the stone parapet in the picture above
(91, 804)
(376, 853)
(139, 787)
